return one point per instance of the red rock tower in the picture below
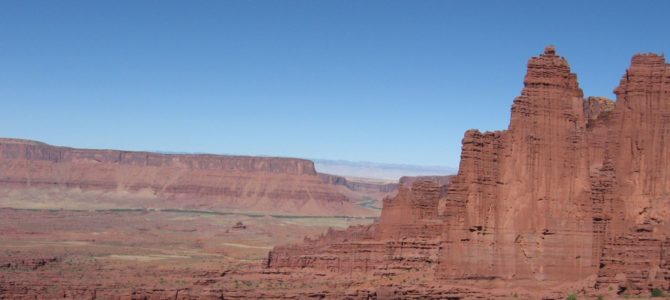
(574, 190)
(523, 192)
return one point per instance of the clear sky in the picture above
(382, 81)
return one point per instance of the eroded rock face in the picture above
(407, 181)
(574, 191)
(413, 212)
(637, 203)
(407, 237)
(177, 181)
(526, 187)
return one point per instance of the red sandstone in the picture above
(573, 195)
(571, 198)
(177, 181)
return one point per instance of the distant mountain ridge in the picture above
(375, 171)
(379, 171)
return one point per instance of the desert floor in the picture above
(62, 252)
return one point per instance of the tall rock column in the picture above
(527, 213)
(641, 141)
(636, 253)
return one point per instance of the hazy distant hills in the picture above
(380, 171)
(373, 171)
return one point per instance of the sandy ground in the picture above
(56, 251)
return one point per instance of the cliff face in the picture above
(636, 205)
(408, 181)
(178, 181)
(574, 189)
(526, 189)
(407, 237)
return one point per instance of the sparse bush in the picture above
(656, 292)
(571, 297)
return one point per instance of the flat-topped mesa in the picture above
(20, 141)
(183, 181)
(15, 149)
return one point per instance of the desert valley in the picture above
(82, 223)
(571, 200)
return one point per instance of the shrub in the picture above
(571, 297)
(656, 292)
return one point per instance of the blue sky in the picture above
(382, 81)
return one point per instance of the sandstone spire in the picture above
(526, 186)
(575, 189)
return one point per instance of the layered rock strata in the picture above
(407, 181)
(406, 238)
(574, 189)
(636, 206)
(359, 185)
(176, 181)
(525, 189)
